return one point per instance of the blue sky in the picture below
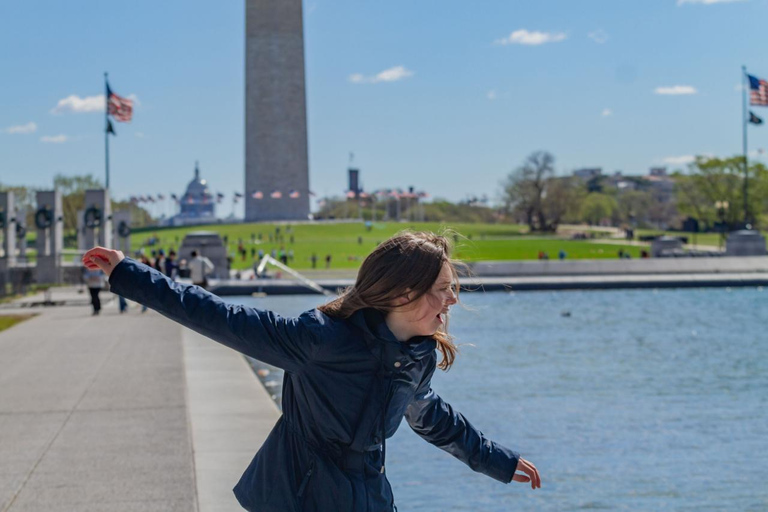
(444, 95)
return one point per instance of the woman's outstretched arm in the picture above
(283, 342)
(438, 423)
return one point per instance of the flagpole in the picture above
(744, 122)
(106, 128)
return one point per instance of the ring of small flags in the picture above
(219, 197)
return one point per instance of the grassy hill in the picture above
(348, 243)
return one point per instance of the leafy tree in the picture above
(72, 190)
(597, 207)
(25, 200)
(533, 193)
(721, 180)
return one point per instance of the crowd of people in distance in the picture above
(196, 269)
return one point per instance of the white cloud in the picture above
(54, 139)
(75, 103)
(679, 160)
(388, 75)
(598, 36)
(607, 112)
(22, 128)
(139, 135)
(534, 38)
(676, 90)
(134, 99)
(491, 95)
(708, 2)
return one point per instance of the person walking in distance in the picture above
(354, 368)
(199, 268)
(94, 280)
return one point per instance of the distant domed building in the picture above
(198, 204)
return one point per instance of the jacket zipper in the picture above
(384, 423)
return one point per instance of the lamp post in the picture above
(722, 208)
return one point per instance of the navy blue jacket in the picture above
(347, 385)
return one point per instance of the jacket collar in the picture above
(378, 337)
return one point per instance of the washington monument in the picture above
(275, 111)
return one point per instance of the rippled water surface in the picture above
(624, 400)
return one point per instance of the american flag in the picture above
(276, 194)
(257, 194)
(758, 91)
(120, 108)
(294, 194)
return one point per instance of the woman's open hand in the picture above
(531, 474)
(103, 258)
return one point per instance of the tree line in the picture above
(711, 193)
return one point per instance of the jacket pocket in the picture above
(305, 480)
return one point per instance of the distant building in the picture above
(588, 173)
(197, 205)
(621, 182)
(661, 184)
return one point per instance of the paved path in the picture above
(123, 413)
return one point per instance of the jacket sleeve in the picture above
(438, 423)
(283, 342)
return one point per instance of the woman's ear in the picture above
(405, 298)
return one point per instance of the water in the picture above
(639, 400)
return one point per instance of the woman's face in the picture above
(429, 312)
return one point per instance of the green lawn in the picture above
(528, 249)
(476, 242)
(7, 321)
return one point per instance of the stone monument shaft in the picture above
(275, 111)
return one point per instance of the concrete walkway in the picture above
(123, 413)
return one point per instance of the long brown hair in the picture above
(407, 263)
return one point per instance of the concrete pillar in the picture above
(97, 218)
(81, 246)
(49, 222)
(21, 234)
(121, 223)
(8, 231)
(8, 227)
(275, 110)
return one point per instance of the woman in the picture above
(353, 369)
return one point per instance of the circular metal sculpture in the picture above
(93, 217)
(123, 229)
(43, 218)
